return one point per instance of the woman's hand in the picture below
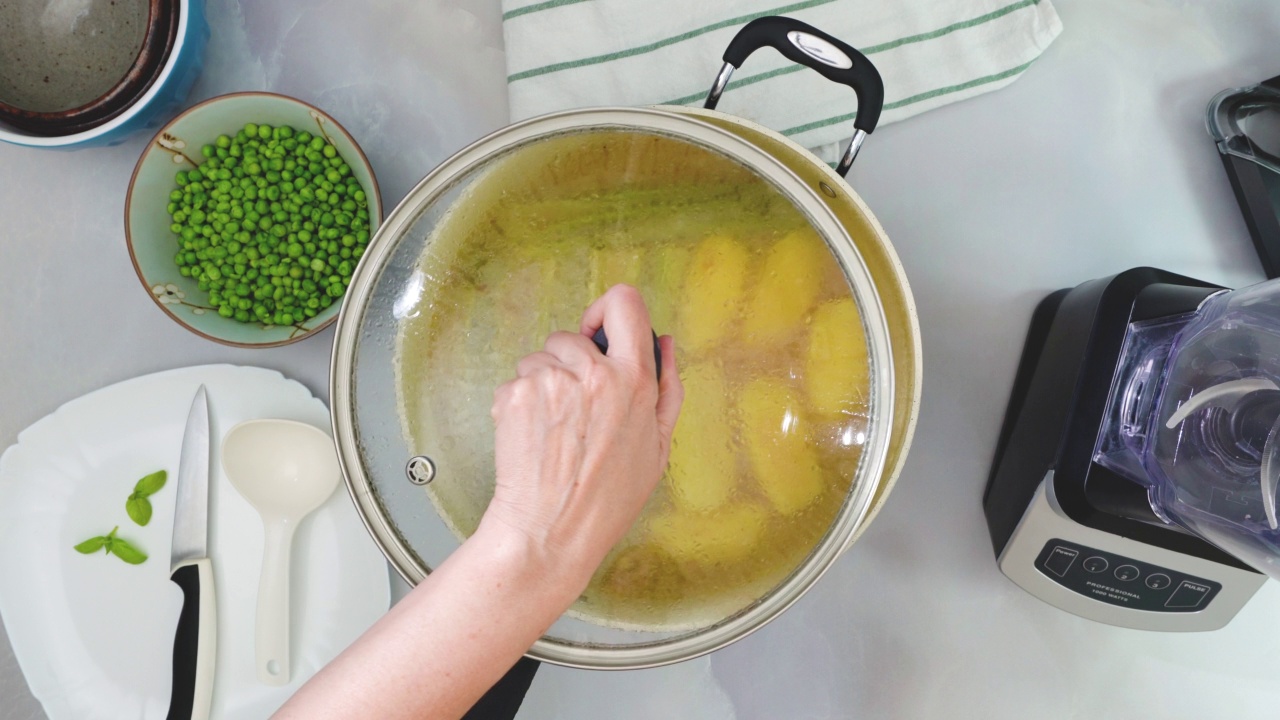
(582, 438)
(582, 441)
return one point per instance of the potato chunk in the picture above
(703, 467)
(713, 291)
(836, 373)
(785, 465)
(787, 287)
(645, 570)
(727, 535)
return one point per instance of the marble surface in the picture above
(1095, 161)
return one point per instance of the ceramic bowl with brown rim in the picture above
(177, 147)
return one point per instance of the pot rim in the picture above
(871, 465)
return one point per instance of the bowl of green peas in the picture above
(246, 216)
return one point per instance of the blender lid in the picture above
(782, 345)
(1245, 124)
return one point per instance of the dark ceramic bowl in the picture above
(152, 104)
(66, 68)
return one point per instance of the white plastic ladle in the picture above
(285, 469)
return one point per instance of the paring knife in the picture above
(194, 644)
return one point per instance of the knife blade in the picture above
(194, 642)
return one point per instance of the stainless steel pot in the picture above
(384, 474)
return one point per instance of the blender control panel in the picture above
(1118, 580)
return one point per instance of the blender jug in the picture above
(1194, 417)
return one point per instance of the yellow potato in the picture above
(787, 287)
(785, 465)
(727, 535)
(644, 570)
(702, 470)
(712, 291)
(836, 374)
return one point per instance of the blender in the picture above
(1135, 478)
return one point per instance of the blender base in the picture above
(1070, 531)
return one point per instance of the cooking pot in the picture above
(408, 273)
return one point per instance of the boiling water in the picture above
(770, 348)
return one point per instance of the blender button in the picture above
(1095, 564)
(1127, 573)
(1158, 581)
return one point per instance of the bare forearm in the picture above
(438, 650)
(581, 439)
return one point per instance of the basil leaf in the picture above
(92, 545)
(150, 484)
(128, 553)
(139, 509)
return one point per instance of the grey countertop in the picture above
(1095, 161)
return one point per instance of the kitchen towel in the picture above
(565, 54)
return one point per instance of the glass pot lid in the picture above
(781, 343)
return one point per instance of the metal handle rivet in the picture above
(827, 189)
(420, 470)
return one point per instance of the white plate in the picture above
(93, 635)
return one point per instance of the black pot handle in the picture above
(804, 44)
(602, 343)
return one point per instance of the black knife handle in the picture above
(194, 643)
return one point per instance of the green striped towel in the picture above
(577, 53)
